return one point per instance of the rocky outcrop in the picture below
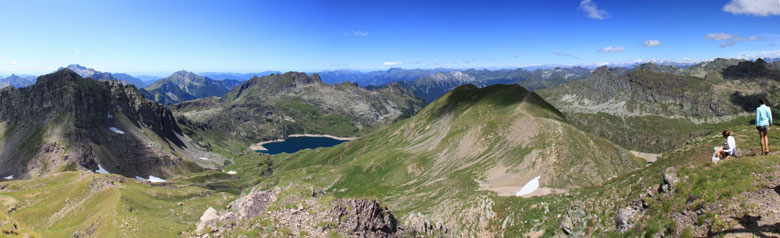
(626, 219)
(294, 211)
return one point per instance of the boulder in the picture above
(625, 219)
(208, 219)
(670, 180)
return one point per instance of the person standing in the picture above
(763, 123)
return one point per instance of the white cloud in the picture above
(753, 7)
(611, 49)
(13, 62)
(652, 43)
(718, 36)
(392, 63)
(738, 39)
(360, 33)
(356, 33)
(76, 51)
(593, 10)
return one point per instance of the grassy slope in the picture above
(595, 207)
(62, 204)
(654, 134)
(385, 165)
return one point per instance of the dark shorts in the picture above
(763, 129)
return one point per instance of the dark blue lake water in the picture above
(294, 144)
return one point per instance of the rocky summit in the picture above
(66, 122)
(183, 85)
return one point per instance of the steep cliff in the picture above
(66, 122)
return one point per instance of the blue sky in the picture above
(159, 37)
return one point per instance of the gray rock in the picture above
(625, 219)
(670, 180)
(208, 219)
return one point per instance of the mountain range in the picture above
(17, 81)
(277, 105)
(92, 73)
(530, 152)
(183, 86)
(652, 97)
(236, 76)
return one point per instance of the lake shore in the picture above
(259, 146)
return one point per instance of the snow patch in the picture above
(116, 130)
(529, 187)
(204, 158)
(101, 170)
(9, 177)
(156, 179)
(151, 179)
(109, 116)
(231, 172)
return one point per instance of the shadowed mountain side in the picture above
(66, 122)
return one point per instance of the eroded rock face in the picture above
(364, 216)
(65, 119)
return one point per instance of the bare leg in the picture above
(761, 141)
(766, 142)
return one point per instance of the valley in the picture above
(276, 153)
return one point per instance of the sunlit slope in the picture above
(97, 205)
(467, 142)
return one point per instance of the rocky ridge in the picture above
(302, 210)
(68, 122)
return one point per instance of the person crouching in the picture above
(729, 148)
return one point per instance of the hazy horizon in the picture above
(248, 36)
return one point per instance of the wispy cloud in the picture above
(652, 43)
(735, 40)
(771, 44)
(392, 63)
(753, 7)
(593, 11)
(730, 39)
(76, 51)
(356, 33)
(13, 62)
(566, 55)
(718, 36)
(761, 54)
(611, 49)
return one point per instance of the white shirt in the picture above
(732, 145)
